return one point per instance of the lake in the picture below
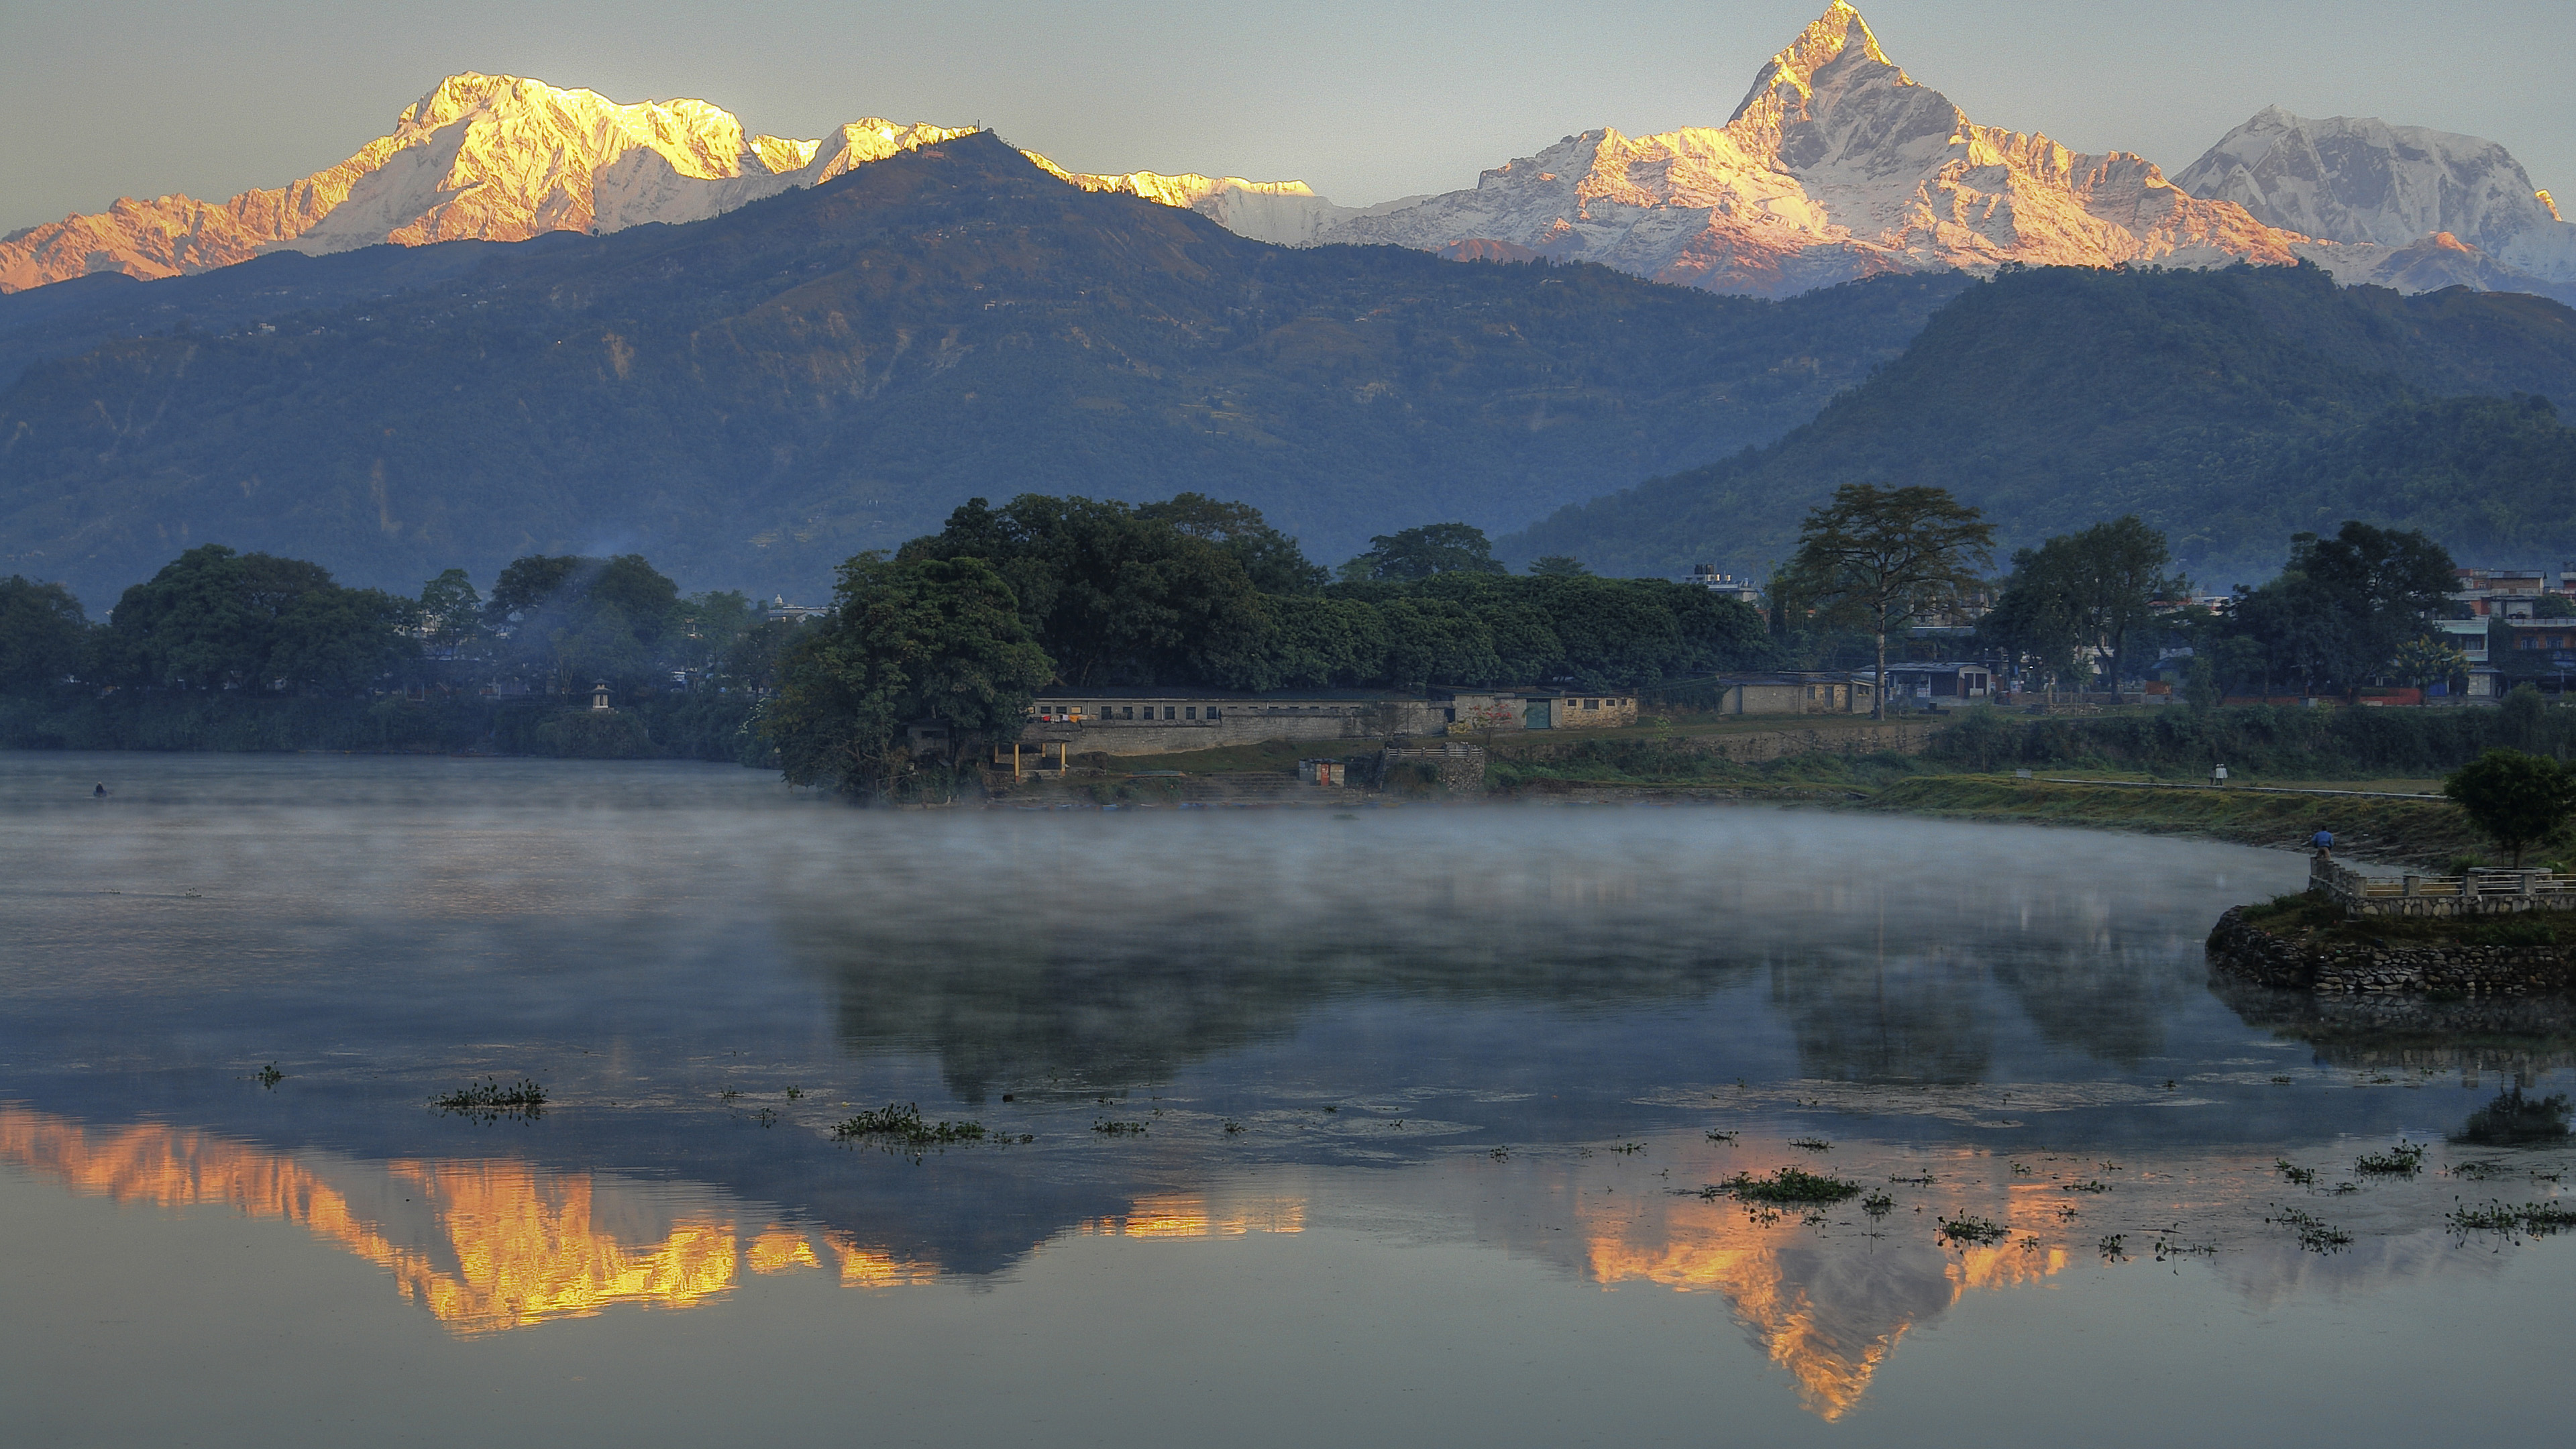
(1401, 1126)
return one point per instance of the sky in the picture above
(1365, 101)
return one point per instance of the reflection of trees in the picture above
(1099, 1002)
(2107, 1000)
(2515, 1036)
(1915, 1018)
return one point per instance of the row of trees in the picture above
(964, 625)
(2345, 612)
(217, 620)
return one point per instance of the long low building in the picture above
(1160, 722)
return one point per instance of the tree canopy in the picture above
(1881, 558)
(216, 619)
(2517, 800)
(43, 634)
(910, 640)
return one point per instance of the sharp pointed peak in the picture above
(1824, 41)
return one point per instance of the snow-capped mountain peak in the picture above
(496, 157)
(1837, 164)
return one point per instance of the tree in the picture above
(1559, 565)
(2428, 659)
(2516, 799)
(910, 641)
(1271, 559)
(216, 619)
(2080, 597)
(1420, 553)
(1885, 556)
(1112, 596)
(2343, 606)
(42, 634)
(569, 621)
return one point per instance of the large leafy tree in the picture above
(1116, 597)
(565, 622)
(1270, 559)
(910, 641)
(214, 619)
(2515, 799)
(2086, 596)
(43, 633)
(2340, 611)
(1881, 558)
(1420, 553)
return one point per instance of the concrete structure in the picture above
(1706, 576)
(1138, 722)
(2479, 893)
(1940, 681)
(1472, 710)
(1794, 693)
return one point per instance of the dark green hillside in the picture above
(753, 398)
(2228, 409)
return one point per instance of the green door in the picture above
(1539, 714)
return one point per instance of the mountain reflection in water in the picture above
(1531, 1034)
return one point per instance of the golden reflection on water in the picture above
(1829, 1318)
(489, 1244)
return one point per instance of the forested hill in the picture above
(753, 398)
(2229, 409)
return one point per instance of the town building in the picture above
(1742, 590)
(1752, 694)
(1167, 721)
(1536, 709)
(1951, 681)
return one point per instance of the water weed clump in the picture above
(1879, 1203)
(904, 1126)
(2315, 1235)
(1967, 1229)
(268, 1076)
(1107, 1128)
(1811, 1144)
(490, 1101)
(2303, 1176)
(1785, 1185)
(2403, 1160)
(2533, 1219)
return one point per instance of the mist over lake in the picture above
(1296, 1125)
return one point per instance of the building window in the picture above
(1170, 712)
(1190, 713)
(1592, 704)
(1212, 714)
(1127, 712)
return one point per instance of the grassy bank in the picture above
(2313, 920)
(2428, 832)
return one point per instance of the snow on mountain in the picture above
(2388, 196)
(1836, 165)
(500, 158)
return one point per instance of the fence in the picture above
(2478, 893)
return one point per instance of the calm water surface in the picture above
(1384, 1126)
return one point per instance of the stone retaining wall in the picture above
(2256, 955)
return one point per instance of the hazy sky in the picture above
(1365, 101)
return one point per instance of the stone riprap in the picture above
(2248, 952)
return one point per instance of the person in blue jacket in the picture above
(2323, 840)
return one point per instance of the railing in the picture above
(2479, 892)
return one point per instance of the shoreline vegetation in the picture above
(1953, 767)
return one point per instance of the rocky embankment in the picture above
(2241, 949)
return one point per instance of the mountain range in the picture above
(2228, 407)
(751, 398)
(1835, 165)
